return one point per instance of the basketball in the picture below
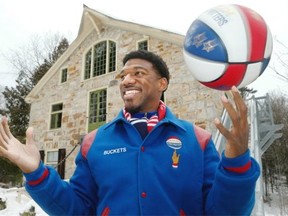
(227, 45)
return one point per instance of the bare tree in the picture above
(32, 54)
(275, 159)
(280, 64)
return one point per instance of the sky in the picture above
(21, 20)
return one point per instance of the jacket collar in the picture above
(170, 118)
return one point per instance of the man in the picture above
(146, 161)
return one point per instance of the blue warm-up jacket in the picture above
(175, 170)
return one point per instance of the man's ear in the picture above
(163, 84)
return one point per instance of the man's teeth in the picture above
(130, 92)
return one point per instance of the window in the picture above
(88, 63)
(143, 45)
(56, 159)
(52, 158)
(112, 56)
(56, 116)
(64, 75)
(100, 59)
(97, 109)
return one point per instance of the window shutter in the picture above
(42, 155)
(61, 166)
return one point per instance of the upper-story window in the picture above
(64, 75)
(143, 45)
(100, 59)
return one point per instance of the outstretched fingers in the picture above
(237, 135)
(7, 129)
(224, 131)
(4, 137)
(242, 110)
(26, 157)
(29, 136)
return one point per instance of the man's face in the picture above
(141, 86)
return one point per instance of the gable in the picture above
(93, 20)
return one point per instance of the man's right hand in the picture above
(25, 156)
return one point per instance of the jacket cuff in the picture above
(240, 164)
(36, 177)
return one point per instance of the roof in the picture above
(94, 20)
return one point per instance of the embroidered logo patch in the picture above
(175, 159)
(174, 143)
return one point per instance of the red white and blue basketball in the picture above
(228, 45)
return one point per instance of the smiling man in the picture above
(146, 161)
(142, 82)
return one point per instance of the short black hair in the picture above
(158, 63)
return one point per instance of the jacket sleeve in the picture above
(59, 197)
(232, 192)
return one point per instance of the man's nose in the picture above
(129, 78)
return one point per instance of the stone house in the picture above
(80, 92)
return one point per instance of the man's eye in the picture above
(139, 73)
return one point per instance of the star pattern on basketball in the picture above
(209, 45)
(199, 39)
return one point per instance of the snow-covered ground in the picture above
(18, 201)
(278, 204)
